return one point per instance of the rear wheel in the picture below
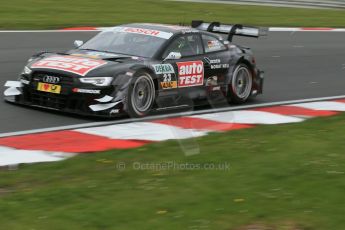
(141, 95)
(241, 84)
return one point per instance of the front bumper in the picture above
(100, 104)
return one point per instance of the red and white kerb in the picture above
(76, 65)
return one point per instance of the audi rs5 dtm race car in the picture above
(138, 68)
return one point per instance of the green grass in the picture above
(33, 14)
(281, 176)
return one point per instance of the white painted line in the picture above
(122, 121)
(296, 29)
(145, 131)
(288, 4)
(324, 105)
(9, 156)
(250, 117)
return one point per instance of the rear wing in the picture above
(230, 30)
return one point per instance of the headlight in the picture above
(97, 81)
(27, 71)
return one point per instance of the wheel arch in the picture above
(246, 62)
(151, 73)
(241, 60)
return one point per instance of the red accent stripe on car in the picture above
(67, 141)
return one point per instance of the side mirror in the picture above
(173, 56)
(78, 43)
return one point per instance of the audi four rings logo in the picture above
(51, 79)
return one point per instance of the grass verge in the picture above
(38, 14)
(286, 177)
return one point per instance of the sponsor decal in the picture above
(214, 45)
(169, 85)
(169, 81)
(114, 111)
(51, 79)
(73, 64)
(212, 81)
(220, 66)
(50, 88)
(190, 73)
(89, 91)
(215, 61)
(163, 68)
(148, 32)
(216, 88)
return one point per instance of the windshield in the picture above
(130, 42)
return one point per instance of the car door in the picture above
(191, 67)
(217, 58)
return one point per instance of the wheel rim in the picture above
(142, 94)
(242, 82)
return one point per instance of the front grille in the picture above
(51, 100)
(56, 101)
(66, 100)
(64, 79)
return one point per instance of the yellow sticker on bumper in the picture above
(50, 88)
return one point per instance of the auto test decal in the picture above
(190, 73)
(73, 64)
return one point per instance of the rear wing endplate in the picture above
(230, 30)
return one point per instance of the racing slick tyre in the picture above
(241, 84)
(141, 95)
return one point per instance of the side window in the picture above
(187, 45)
(212, 44)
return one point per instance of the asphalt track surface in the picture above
(297, 65)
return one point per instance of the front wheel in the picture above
(241, 84)
(141, 95)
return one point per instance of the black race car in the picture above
(138, 68)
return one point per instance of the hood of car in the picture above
(81, 63)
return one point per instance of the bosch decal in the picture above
(190, 73)
(149, 32)
(77, 65)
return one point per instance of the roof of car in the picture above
(161, 27)
(164, 28)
